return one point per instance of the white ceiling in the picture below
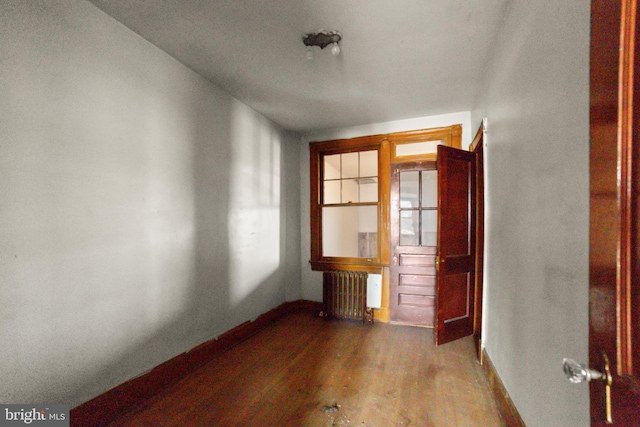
(400, 58)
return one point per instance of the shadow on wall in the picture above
(144, 211)
(239, 246)
(254, 231)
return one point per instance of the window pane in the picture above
(430, 189)
(350, 191)
(350, 231)
(332, 166)
(350, 165)
(429, 228)
(368, 189)
(416, 148)
(409, 228)
(331, 192)
(369, 163)
(409, 189)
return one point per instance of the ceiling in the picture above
(400, 59)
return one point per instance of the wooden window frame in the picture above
(317, 152)
(451, 135)
(386, 147)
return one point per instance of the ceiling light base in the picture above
(322, 39)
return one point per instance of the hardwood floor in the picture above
(308, 371)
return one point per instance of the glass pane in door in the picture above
(430, 189)
(429, 227)
(409, 228)
(418, 208)
(409, 189)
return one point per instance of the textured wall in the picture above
(143, 210)
(536, 99)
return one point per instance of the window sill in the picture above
(369, 267)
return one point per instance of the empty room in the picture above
(316, 213)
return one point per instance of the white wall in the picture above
(537, 188)
(143, 210)
(311, 284)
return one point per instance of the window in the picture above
(424, 150)
(349, 201)
(350, 197)
(346, 203)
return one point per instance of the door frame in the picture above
(477, 147)
(614, 255)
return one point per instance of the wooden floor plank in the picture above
(309, 371)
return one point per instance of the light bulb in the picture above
(335, 49)
(309, 53)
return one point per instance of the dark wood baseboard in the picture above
(108, 406)
(507, 409)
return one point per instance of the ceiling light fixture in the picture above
(322, 39)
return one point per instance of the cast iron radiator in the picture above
(345, 295)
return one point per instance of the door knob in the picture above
(577, 373)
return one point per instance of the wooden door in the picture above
(614, 259)
(456, 245)
(414, 212)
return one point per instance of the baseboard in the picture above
(108, 406)
(505, 405)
